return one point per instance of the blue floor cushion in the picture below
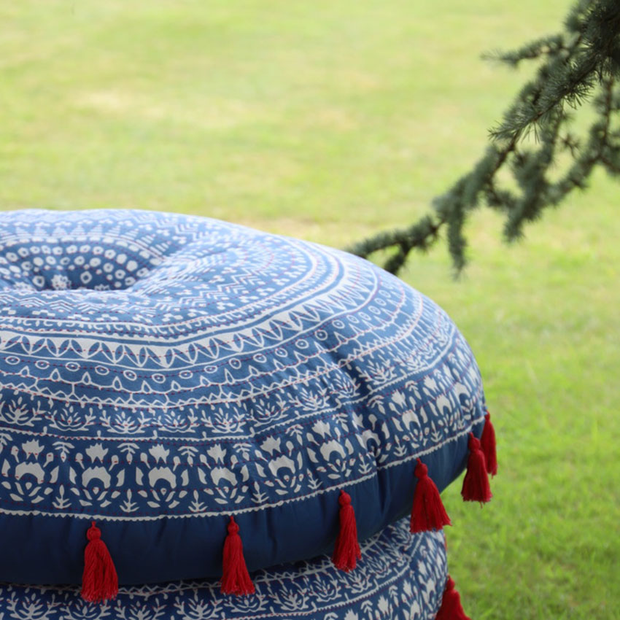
(162, 373)
(400, 577)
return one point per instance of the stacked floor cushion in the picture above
(161, 374)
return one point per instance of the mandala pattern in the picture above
(159, 372)
(400, 577)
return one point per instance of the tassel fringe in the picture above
(451, 608)
(235, 576)
(99, 579)
(347, 550)
(487, 442)
(476, 486)
(428, 512)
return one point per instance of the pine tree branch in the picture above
(574, 65)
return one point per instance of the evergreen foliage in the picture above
(535, 142)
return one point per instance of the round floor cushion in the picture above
(161, 373)
(400, 577)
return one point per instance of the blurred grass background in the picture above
(328, 121)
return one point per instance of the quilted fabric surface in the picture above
(401, 577)
(161, 372)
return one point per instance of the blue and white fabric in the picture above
(401, 577)
(161, 372)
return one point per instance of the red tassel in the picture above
(451, 608)
(346, 550)
(476, 483)
(235, 576)
(428, 512)
(99, 580)
(487, 441)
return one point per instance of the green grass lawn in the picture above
(329, 120)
